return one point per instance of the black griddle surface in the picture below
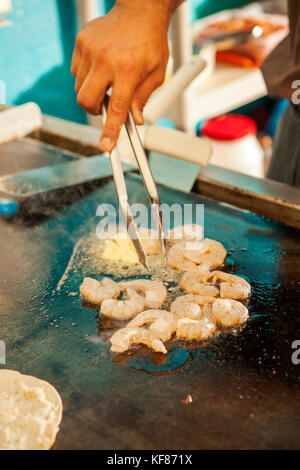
(244, 386)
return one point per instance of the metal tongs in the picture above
(149, 183)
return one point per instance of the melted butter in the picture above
(121, 249)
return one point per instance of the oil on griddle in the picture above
(242, 384)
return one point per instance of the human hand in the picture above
(127, 50)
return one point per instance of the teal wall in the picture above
(35, 56)
(207, 7)
(36, 52)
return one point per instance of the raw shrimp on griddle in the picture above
(195, 282)
(229, 312)
(177, 260)
(162, 323)
(124, 338)
(123, 309)
(190, 306)
(150, 241)
(185, 256)
(96, 292)
(208, 252)
(154, 292)
(198, 282)
(188, 328)
(231, 286)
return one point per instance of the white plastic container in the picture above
(19, 121)
(234, 143)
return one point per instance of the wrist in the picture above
(164, 7)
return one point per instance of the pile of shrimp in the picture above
(212, 298)
(139, 295)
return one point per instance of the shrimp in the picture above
(208, 252)
(154, 292)
(190, 306)
(232, 287)
(177, 260)
(195, 282)
(163, 328)
(197, 329)
(123, 309)
(163, 323)
(150, 241)
(188, 232)
(229, 312)
(124, 338)
(96, 292)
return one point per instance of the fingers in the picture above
(143, 93)
(125, 94)
(75, 62)
(92, 91)
(119, 103)
(76, 59)
(91, 86)
(82, 73)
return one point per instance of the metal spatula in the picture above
(30, 183)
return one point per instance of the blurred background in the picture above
(37, 40)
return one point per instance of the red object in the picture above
(239, 60)
(229, 127)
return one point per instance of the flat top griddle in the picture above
(244, 385)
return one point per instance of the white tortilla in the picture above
(30, 412)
